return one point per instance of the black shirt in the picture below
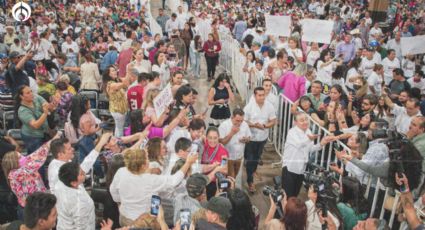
(15, 78)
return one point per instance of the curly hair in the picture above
(135, 160)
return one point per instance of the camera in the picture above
(223, 182)
(322, 181)
(276, 191)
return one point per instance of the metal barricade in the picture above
(233, 62)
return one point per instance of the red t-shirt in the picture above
(135, 97)
(208, 152)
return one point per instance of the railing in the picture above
(233, 62)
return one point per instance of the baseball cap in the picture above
(196, 184)
(3, 56)
(219, 205)
(14, 54)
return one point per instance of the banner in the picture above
(412, 45)
(162, 100)
(278, 25)
(315, 30)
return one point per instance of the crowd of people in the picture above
(95, 150)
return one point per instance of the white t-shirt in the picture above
(352, 73)
(312, 56)
(375, 81)
(389, 66)
(234, 146)
(324, 74)
(408, 67)
(420, 85)
(367, 66)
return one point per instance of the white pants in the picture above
(119, 119)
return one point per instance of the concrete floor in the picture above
(269, 155)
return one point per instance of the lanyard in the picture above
(205, 158)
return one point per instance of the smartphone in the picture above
(223, 162)
(185, 219)
(155, 202)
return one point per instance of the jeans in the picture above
(253, 151)
(31, 143)
(195, 63)
(119, 119)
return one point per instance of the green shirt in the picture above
(316, 102)
(27, 114)
(349, 216)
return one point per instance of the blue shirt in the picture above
(239, 29)
(109, 59)
(348, 51)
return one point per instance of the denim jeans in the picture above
(253, 151)
(31, 143)
(195, 63)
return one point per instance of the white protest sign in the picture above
(412, 45)
(278, 25)
(162, 100)
(315, 30)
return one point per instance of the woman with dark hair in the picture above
(184, 97)
(118, 106)
(352, 206)
(32, 112)
(160, 66)
(242, 216)
(195, 56)
(338, 77)
(212, 48)
(187, 36)
(213, 152)
(325, 65)
(247, 41)
(337, 95)
(219, 96)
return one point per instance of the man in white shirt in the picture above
(390, 63)
(375, 32)
(299, 144)
(63, 152)
(418, 81)
(69, 47)
(260, 116)
(75, 206)
(181, 17)
(172, 24)
(396, 45)
(368, 63)
(403, 115)
(235, 133)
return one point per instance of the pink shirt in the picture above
(123, 59)
(292, 85)
(208, 152)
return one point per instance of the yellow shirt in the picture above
(117, 100)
